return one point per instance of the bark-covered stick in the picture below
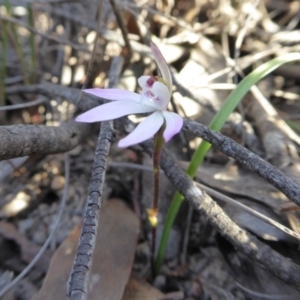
(247, 158)
(79, 278)
(24, 140)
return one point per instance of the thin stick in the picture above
(79, 278)
(153, 213)
(251, 211)
(33, 30)
(89, 68)
(23, 105)
(248, 159)
(266, 296)
(122, 26)
(50, 139)
(239, 41)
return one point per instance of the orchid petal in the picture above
(114, 94)
(161, 95)
(158, 96)
(162, 65)
(174, 124)
(143, 80)
(113, 110)
(144, 131)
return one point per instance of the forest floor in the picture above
(51, 49)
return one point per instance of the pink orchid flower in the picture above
(155, 96)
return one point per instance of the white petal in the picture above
(161, 95)
(144, 131)
(142, 81)
(113, 110)
(174, 123)
(162, 65)
(114, 94)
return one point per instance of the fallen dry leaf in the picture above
(113, 257)
(28, 249)
(137, 289)
(239, 182)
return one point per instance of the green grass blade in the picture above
(3, 59)
(33, 55)
(17, 43)
(217, 123)
(293, 125)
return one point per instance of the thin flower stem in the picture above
(152, 213)
(159, 142)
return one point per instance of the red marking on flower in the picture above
(149, 94)
(151, 81)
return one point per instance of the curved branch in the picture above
(55, 90)
(247, 158)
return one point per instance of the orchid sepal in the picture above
(163, 66)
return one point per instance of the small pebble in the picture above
(58, 183)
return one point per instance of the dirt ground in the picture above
(50, 50)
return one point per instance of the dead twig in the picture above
(49, 37)
(265, 296)
(23, 105)
(56, 90)
(24, 140)
(251, 211)
(91, 61)
(248, 159)
(122, 26)
(78, 282)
